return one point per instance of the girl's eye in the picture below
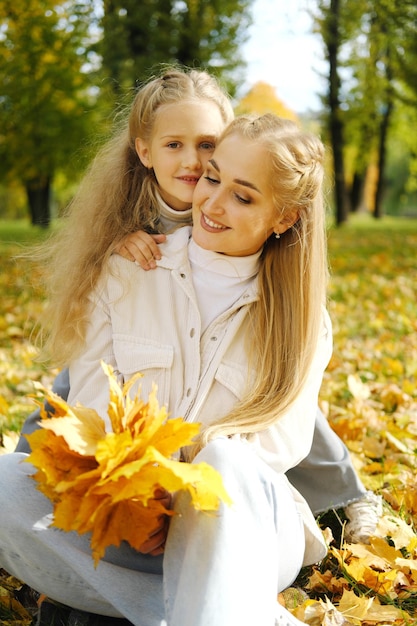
(207, 145)
(212, 181)
(173, 144)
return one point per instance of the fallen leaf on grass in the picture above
(320, 613)
(8, 442)
(351, 610)
(367, 609)
(10, 608)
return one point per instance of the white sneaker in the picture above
(363, 516)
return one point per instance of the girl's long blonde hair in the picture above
(117, 196)
(286, 320)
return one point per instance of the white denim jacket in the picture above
(149, 322)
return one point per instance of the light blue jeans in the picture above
(222, 569)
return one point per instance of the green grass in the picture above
(364, 245)
(20, 231)
(365, 222)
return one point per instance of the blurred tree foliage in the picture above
(372, 79)
(262, 98)
(196, 33)
(44, 98)
(65, 63)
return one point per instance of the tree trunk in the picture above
(38, 194)
(356, 191)
(335, 121)
(383, 135)
(382, 157)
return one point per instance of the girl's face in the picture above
(233, 208)
(183, 139)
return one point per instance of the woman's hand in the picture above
(142, 248)
(155, 544)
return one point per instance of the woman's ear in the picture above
(142, 151)
(288, 219)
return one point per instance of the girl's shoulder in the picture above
(176, 242)
(119, 272)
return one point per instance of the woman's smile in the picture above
(212, 225)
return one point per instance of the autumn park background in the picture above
(67, 69)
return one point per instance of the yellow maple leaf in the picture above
(401, 533)
(381, 582)
(376, 555)
(105, 483)
(362, 564)
(384, 550)
(358, 389)
(55, 461)
(354, 608)
(386, 614)
(319, 613)
(325, 581)
(82, 429)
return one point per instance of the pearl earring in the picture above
(277, 235)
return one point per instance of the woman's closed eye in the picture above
(241, 199)
(211, 180)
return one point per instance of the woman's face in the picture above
(233, 209)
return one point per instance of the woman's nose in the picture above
(214, 202)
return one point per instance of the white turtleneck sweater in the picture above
(219, 280)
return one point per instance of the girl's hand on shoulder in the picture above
(155, 543)
(142, 248)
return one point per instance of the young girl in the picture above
(142, 182)
(234, 320)
(180, 113)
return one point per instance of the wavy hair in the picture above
(117, 196)
(286, 319)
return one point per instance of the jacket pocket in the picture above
(154, 360)
(234, 378)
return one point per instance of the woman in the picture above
(125, 191)
(232, 328)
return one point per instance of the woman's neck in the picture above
(219, 280)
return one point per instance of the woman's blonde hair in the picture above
(287, 317)
(117, 196)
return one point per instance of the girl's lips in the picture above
(208, 224)
(189, 180)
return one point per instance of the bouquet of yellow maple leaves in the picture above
(105, 482)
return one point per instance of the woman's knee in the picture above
(224, 453)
